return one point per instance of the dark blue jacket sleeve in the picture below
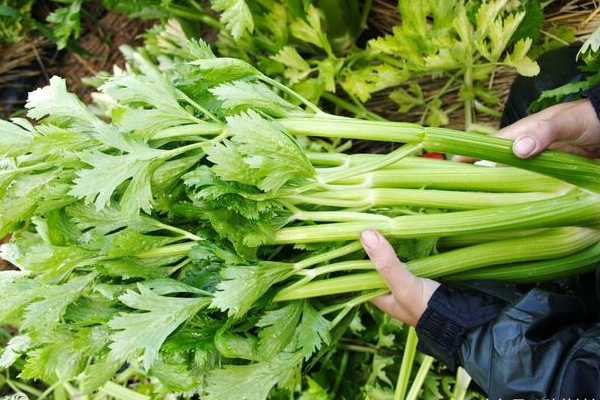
(539, 345)
(593, 94)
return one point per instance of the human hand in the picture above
(571, 127)
(409, 294)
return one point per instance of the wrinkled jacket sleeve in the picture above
(533, 346)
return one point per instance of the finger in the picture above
(389, 305)
(584, 151)
(531, 137)
(522, 126)
(464, 159)
(383, 256)
(537, 132)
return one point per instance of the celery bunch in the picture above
(198, 237)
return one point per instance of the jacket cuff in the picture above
(593, 94)
(450, 313)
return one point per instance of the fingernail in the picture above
(524, 146)
(369, 238)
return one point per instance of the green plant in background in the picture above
(63, 23)
(317, 47)
(435, 39)
(589, 57)
(306, 43)
(15, 20)
(465, 42)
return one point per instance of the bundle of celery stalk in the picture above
(205, 231)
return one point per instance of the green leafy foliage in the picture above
(13, 350)
(456, 39)
(15, 20)
(161, 250)
(592, 44)
(259, 154)
(240, 95)
(66, 22)
(148, 330)
(236, 16)
(554, 96)
(252, 381)
(590, 56)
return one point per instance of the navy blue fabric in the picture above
(593, 94)
(537, 345)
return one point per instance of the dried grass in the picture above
(101, 39)
(21, 65)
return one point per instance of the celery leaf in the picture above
(45, 313)
(249, 382)
(313, 331)
(241, 95)
(243, 285)
(236, 16)
(260, 154)
(145, 332)
(278, 327)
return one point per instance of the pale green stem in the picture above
(462, 384)
(485, 109)
(394, 156)
(340, 374)
(191, 130)
(548, 245)
(182, 264)
(184, 149)
(485, 129)
(180, 231)
(17, 386)
(336, 216)
(166, 251)
(437, 95)
(468, 103)
(198, 106)
(358, 111)
(410, 350)
(356, 265)
(422, 372)
(376, 197)
(34, 167)
(122, 393)
(330, 255)
(292, 93)
(49, 390)
(571, 209)
(353, 302)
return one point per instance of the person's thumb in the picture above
(531, 138)
(383, 256)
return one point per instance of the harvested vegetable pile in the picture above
(203, 232)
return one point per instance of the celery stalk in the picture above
(570, 168)
(350, 160)
(539, 271)
(573, 208)
(549, 244)
(446, 199)
(481, 179)
(350, 128)
(408, 357)
(557, 242)
(467, 240)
